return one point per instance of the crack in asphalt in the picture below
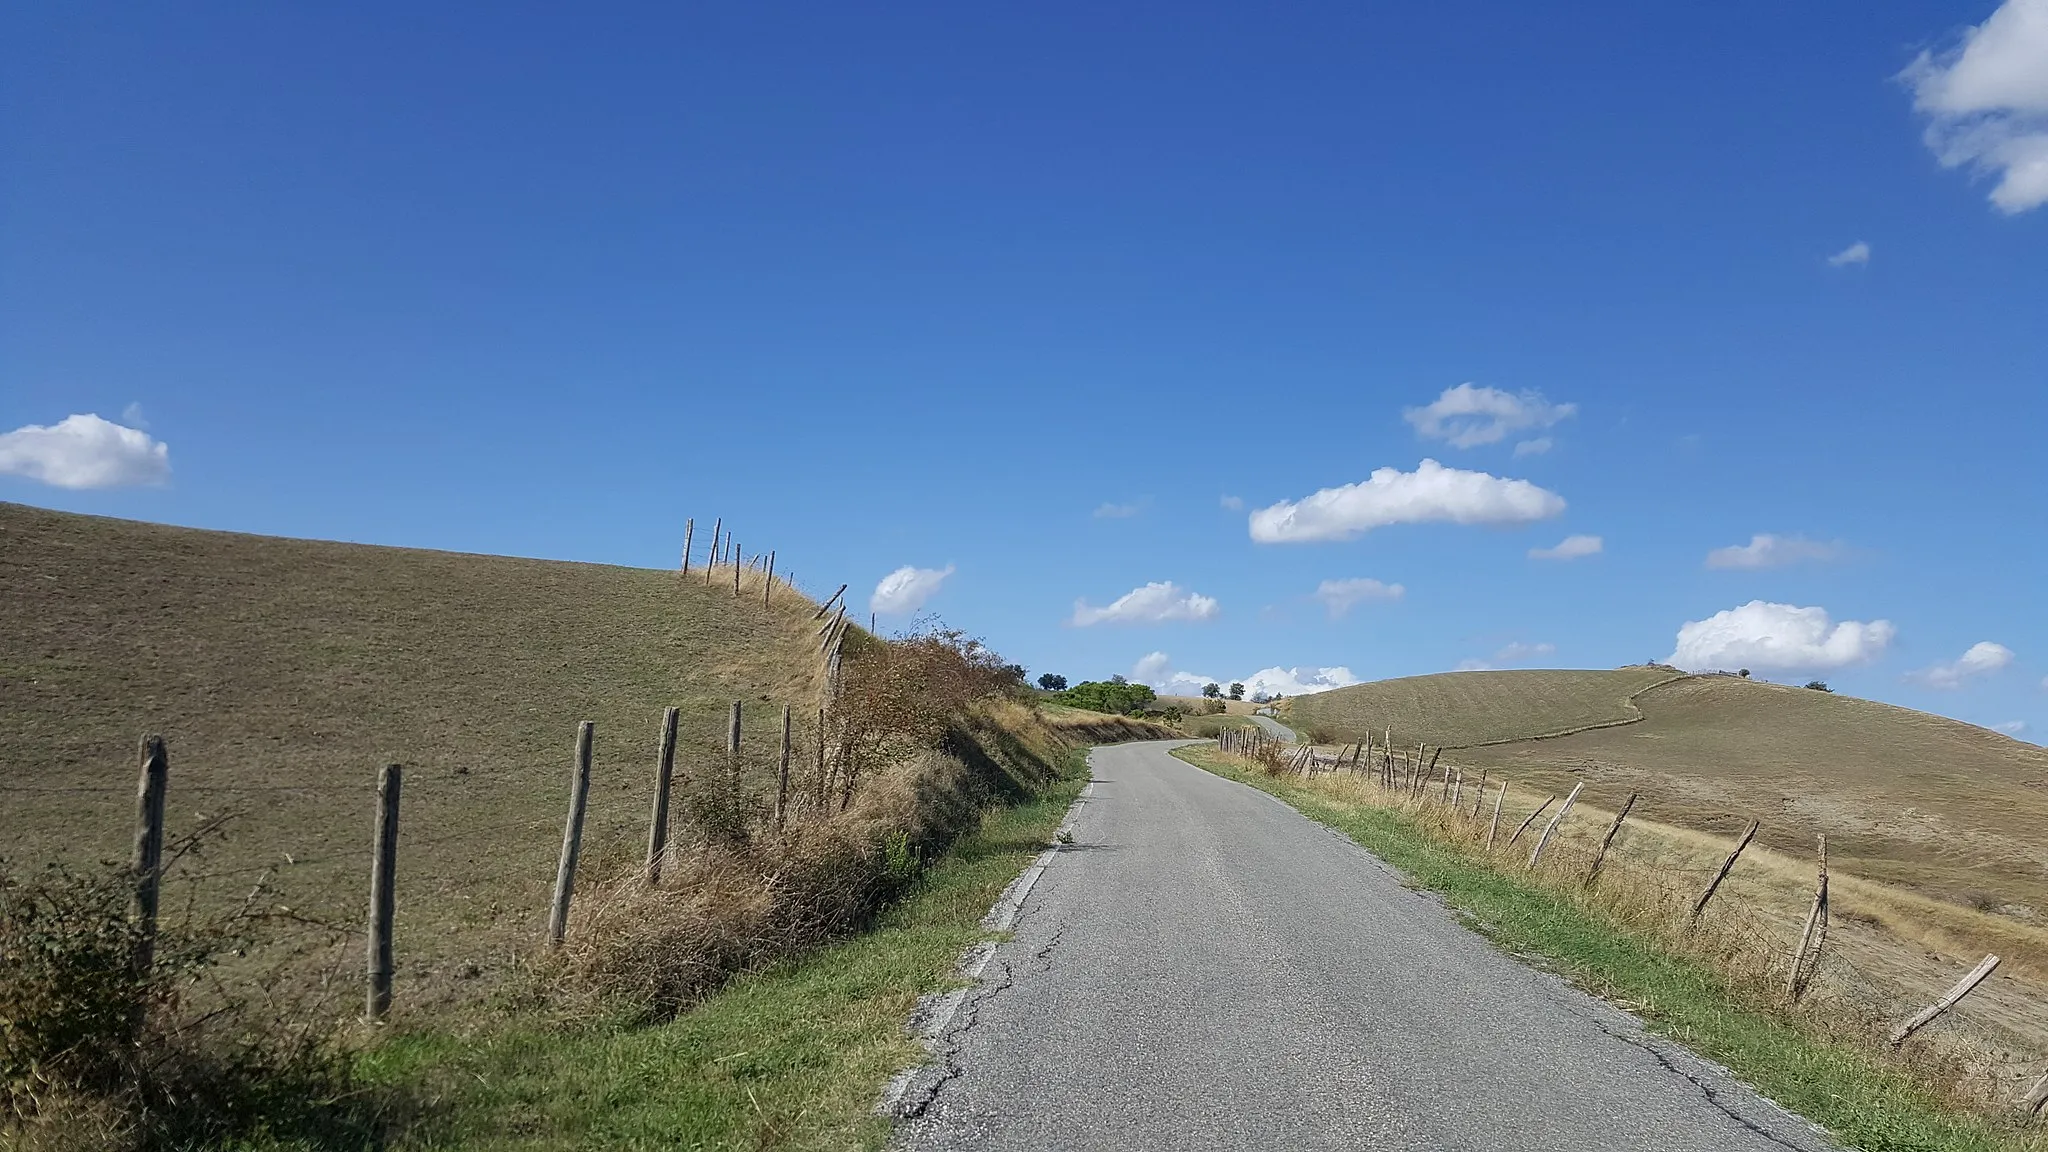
(944, 1065)
(1707, 1091)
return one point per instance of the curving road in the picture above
(1204, 967)
(1274, 726)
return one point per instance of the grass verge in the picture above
(792, 1057)
(1864, 1103)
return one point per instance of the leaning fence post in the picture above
(1494, 827)
(1548, 829)
(768, 582)
(383, 889)
(1816, 931)
(1608, 839)
(572, 837)
(148, 859)
(1700, 905)
(711, 560)
(782, 781)
(1926, 1015)
(664, 773)
(689, 529)
(2035, 1097)
(827, 605)
(1529, 819)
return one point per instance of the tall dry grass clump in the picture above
(927, 731)
(96, 1054)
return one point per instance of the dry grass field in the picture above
(283, 673)
(1937, 830)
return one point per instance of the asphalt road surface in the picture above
(1206, 968)
(1274, 726)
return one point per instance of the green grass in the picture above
(794, 1057)
(1206, 726)
(1865, 1103)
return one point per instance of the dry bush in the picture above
(95, 1055)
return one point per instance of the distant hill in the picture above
(1953, 810)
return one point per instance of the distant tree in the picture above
(1015, 673)
(1109, 696)
(1212, 690)
(1819, 686)
(1053, 682)
(1118, 680)
(1744, 673)
(1237, 691)
(1260, 698)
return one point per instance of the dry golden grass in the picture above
(1461, 709)
(284, 672)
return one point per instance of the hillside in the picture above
(283, 673)
(1945, 808)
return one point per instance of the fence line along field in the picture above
(284, 674)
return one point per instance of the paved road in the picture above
(1206, 968)
(1274, 726)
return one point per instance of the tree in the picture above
(1237, 691)
(1744, 673)
(1212, 691)
(1118, 679)
(1819, 686)
(1015, 673)
(1053, 682)
(1109, 696)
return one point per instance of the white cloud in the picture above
(84, 452)
(1390, 496)
(1118, 511)
(1857, 253)
(1339, 595)
(1515, 653)
(1297, 681)
(1155, 603)
(1767, 551)
(1982, 659)
(1986, 102)
(1570, 548)
(132, 415)
(1156, 670)
(906, 589)
(2010, 727)
(1536, 447)
(1469, 416)
(1765, 635)
(1231, 503)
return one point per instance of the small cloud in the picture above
(85, 452)
(132, 415)
(1156, 670)
(1468, 416)
(1515, 653)
(1765, 635)
(1982, 659)
(1536, 447)
(1389, 496)
(1297, 681)
(1119, 511)
(2010, 727)
(906, 589)
(1986, 102)
(1570, 548)
(1767, 551)
(1857, 253)
(1155, 603)
(1340, 595)
(1231, 503)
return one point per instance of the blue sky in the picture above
(1035, 292)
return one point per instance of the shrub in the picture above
(1819, 686)
(1114, 695)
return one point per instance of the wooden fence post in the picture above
(782, 781)
(383, 890)
(1926, 1015)
(768, 584)
(1529, 819)
(736, 574)
(1608, 839)
(824, 780)
(732, 744)
(147, 862)
(1498, 799)
(711, 558)
(1700, 905)
(572, 837)
(664, 772)
(2035, 1097)
(689, 530)
(827, 605)
(1479, 795)
(1544, 840)
(1815, 933)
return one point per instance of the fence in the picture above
(1412, 777)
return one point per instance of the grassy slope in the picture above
(1458, 709)
(1868, 1105)
(790, 1058)
(284, 672)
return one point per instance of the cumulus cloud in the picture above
(1231, 503)
(1982, 659)
(1156, 670)
(1857, 253)
(1118, 511)
(1468, 416)
(1761, 634)
(84, 452)
(1340, 595)
(1155, 603)
(1767, 551)
(1986, 102)
(1570, 548)
(1297, 681)
(1390, 496)
(906, 589)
